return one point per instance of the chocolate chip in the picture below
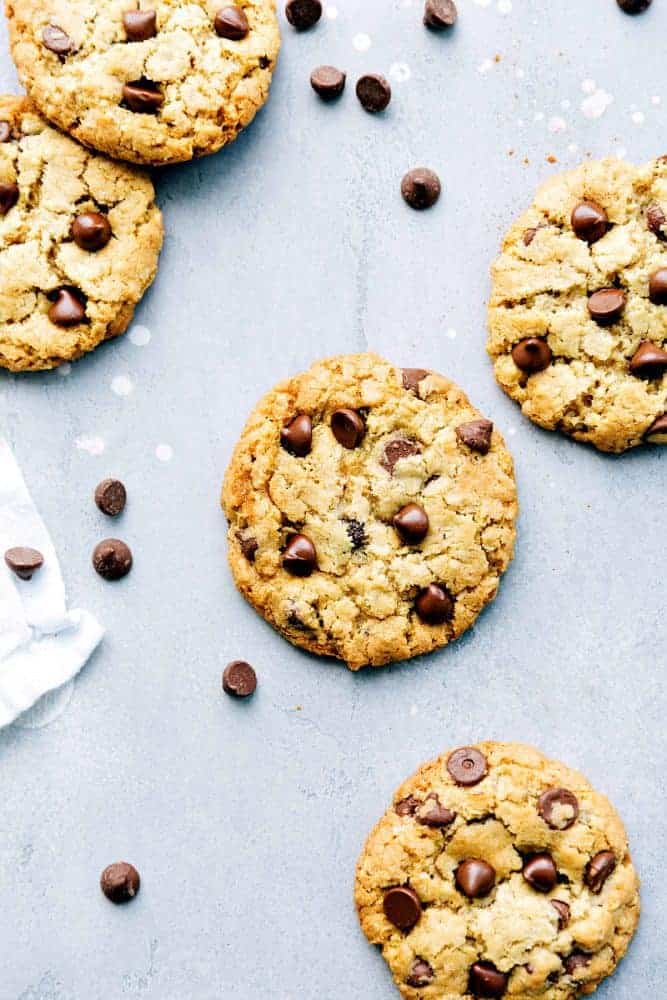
(634, 6)
(239, 679)
(476, 435)
(407, 806)
(348, 428)
(657, 287)
(411, 523)
(649, 361)
(356, 532)
(655, 220)
(56, 40)
(111, 497)
(374, 92)
(24, 561)
(440, 14)
(563, 911)
(296, 436)
(140, 25)
(598, 870)
(402, 907)
(248, 545)
(467, 766)
(421, 188)
(577, 960)
(120, 882)
(231, 23)
(559, 808)
(112, 559)
(5, 131)
(91, 231)
(540, 872)
(532, 355)
(328, 82)
(67, 309)
(432, 813)
(475, 878)
(486, 981)
(657, 432)
(9, 195)
(303, 14)
(299, 557)
(606, 305)
(143, 97)
(412, 377)
(589, 221)
(420, 974)
(397, 449)
(434, 605)
(529, 235)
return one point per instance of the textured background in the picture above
(245, 820)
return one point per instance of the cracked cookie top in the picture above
(79, 242)
(578, 309)
(156, 81)
(371, 510)
(497, 872)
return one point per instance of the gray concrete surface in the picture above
(245, 820)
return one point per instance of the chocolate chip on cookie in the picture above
(540, 872)
(348, 428)
(299, 557)
(476, 434)
(120, 882)
(143, 96)
(396, 450)
(657, 432)
(658, 287)
(432, 813)
(249, 546)
(303, 14)
(412, 377)
(577, 960)
(67, 309)
(559, 808)
(649, 361)
(91, 231)
(411, 523)
(563, 911)
(239, 679)
(374, 92)
(421, 188)
(5, 131)
(634, 6)
(112, 559)
(407, 806)
(140, 25)
(532, 355)
(475, 878)
(232, 23)
(296, 435)
(440, 14)
(402, 907)
(56, 40)
(486, 981)
(467, 766)
(111, 497)
(24, 561)
(434, 605)
(529, 235)
(420, 974)
(606, 305)
(656, 219)
(328, 82)
(598, 870)
(589, 221)
(9, 195)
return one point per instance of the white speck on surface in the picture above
(520, 122)
(64, 370)
(451, 333)
(164, 452)
(362, 42)
(588, 86)
(413, 710)
(595, 105)
(511, 431)
(539, 116)
(331, 12)
(485, 66)
(638, 117)
(565, 104)
(573, 148)
(504, 6)
(140, 336)
(91, 443)
(519, 73)
(122, 385)
(557, 124)
(655, 99)
(400, 72)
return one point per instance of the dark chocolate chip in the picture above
(476, 434)
(56, 40)
(356, 532)
(411, 523)
(634, 6)
(231, 23)
(563, 911)
(296, 436)
(657, 287)
(412, 377)
(303, 14)
(486, 981)
(657, 432)
(432, 813)
(589, 221)
(540, 872)
(299, 557)
(440, 14)
(111, 497)
(421, 188)
(649, 361)
(248, 545)
(239, 679)
(112, 559)
(91, 231)
(529, 235)
(120, 882)
(606, 305)
(434, 605)
(5, 131)
(467, 766)
(532, 355)
(577, 960)
(67, 309)
(655, 220)
(397, 449)
(143, 97)
(328, 82)
(420, 974)
(24, 561)
(475, 878)
(348, 428)
(558, 807)
(140, 25)
(402, 907)
(374, 92)
(407, 806)
(9, 195)
(598, 870)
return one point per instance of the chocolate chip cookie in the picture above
(79, 242)
(155, 81)
(371, 510)
(497, 872)
(578, 310)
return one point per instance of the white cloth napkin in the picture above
(42, 644)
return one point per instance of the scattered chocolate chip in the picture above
(655, 220)
(328, 82)
(143, 97)
(412, 377)
(411, 523)
(486, 981)
(558, 807)
(649, 361)
(120, 882)
(476, 435)
(299, 557)
(9, 195)
(374, 92)
(402, 907)
(407, 806)
(67, 309)
(24, 561)
(56, 40)
(421, 188)
(348, 427)
(606, 305)
(589, 221)
(356, 532)
(467, 766)
(440, 14)
(111, 497)
(303, 14)
(434, 605)
(634, 6)
(248, 545)
(140, 25)
(112, 559)
(540, 872)
(657, 432)
(529, 235)
(563, 911)
(231, 23)
(598, 870)
(5, 131)
(577, 960)
(420, 974)
(239, 679)
(475, 878)
(657, 287)
(91, 231)
(397, 449)
(296, 436)
(532, 355)
(432, 813)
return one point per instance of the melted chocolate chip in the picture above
(657, 432)
(9, 195)
(563, 911)
(655, 220)
(476, 434)
(397, 449)
(657, 287)
(589, 221)
(5, 131)
(420, 974)
(56, 40)
(248, 545)
(143, 96)
(299, 557)
(598, 870)
(412, 377)
(649, 361)
(402, 907)
(558, 807)
(348, 427)
(486, 981)
(407, 806)
(296, 436)
(540, 872)
(140, 25)
(432, 813)
(467, 766)
(577, 960)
